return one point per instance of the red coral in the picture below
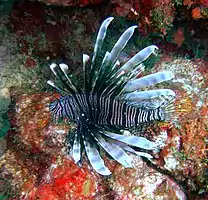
(30, 63)
(151, 15)
(68, 182)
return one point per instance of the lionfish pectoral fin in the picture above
(76, 151)
(129, 149)
(120, 44)
(95, 159)
(136, 141)
(114, 151)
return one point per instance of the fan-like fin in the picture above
(85, 59)
(95, 159)
(120, 44)
(140, 142)
(168, 109)
(137, 71)
(58, 71)
(148, 80)
(52, 67)
(51, 83)
(100, 73)
(114, 150)
(76, 151)
(140, 57)
(150, 94)
(129, 149)
(100, 38)
(108, 66)
(64, 68)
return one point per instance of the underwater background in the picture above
(33, 156)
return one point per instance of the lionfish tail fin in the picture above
(184, 105)
(168, 109)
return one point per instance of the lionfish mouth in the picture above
(112, 99)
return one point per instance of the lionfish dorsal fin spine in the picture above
(149, 94)
(100, 39)
(56, 69)
(51, 83)
(85, 60)
(119, 46)
(148, 80)
(64, 68)
(98, 45)
(140, 57)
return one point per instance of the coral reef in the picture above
(198, 8)
(186, 149)
(33, 162)
(71, 3)
(152, 16)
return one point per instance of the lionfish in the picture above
(112, 101)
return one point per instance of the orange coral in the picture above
(196, 13)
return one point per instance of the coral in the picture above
(35, 162)
(41, 177)
(143, 183)
(162, 16)
(17, 69)
(186, 149)
(196, 13)
(4, 100)
(198, 8)
(71, 3)
(151, 16)
(18, 76)
(68, 182)
(33, 121)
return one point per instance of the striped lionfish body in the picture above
(113, 99)
(103, 111)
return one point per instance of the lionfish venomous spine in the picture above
(113, 99)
